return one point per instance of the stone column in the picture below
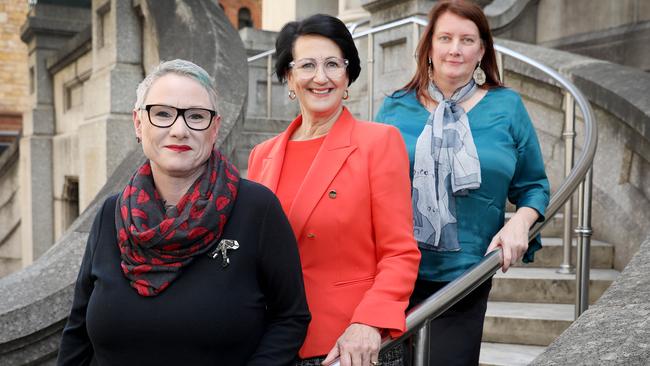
(351, 11)
(106, 134)
(393, 51)
(386, 11)
(46, 30)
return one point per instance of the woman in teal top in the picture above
(471, 146)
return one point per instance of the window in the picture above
(70, 207)
(244, 18)
(32, 81)
(73, 96)
(102, 24)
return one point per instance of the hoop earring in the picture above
(346, 95)
(137, 139)
(479, 75)
(292, 94)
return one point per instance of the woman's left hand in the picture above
(357, 346)
(513, 236)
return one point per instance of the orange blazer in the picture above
(353, 220)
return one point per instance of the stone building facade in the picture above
(616, 31)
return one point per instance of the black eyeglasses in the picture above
(163, 116)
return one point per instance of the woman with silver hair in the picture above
(190, 264)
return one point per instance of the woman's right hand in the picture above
(357, 346)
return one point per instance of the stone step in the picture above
(552, 253)
(241, 159)
(545, 285)
(248, 139)
(523, 323)
(507, 354)
(261, 124)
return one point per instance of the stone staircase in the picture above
(529, 306)
(256, 130)
(532, 304)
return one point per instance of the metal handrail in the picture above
(381, 28)
(585, 159)
(580, 177)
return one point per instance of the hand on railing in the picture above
(359, 342)
(513, 236)
(446, 297)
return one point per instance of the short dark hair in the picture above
(321, 25)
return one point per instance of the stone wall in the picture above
(616, 31)
(69, 84)
(615, 330)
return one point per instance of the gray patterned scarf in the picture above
(446, 164)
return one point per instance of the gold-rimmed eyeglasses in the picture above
(306, 68)
(163, 116)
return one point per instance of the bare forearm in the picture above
(527, 215)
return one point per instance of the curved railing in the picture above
(578, 176)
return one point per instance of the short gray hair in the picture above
(179, 67)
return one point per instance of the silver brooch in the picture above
(222, 249)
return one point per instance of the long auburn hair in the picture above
(464, 9)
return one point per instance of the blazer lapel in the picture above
(272, 163)
(330, 158)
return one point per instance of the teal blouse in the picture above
(511, 168)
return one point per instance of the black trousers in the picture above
(455, 336)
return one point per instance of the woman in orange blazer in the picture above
(344, 185)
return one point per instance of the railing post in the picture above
(421, 354)
(371, 63)
(269, 84)
(584, 232)
(569, 146)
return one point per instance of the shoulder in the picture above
(506, 97)
(106, 211)
(253, 191)
(374, 132)
(103, 227)
(399, 98)
(110, 201)
(253, 195)
(266, 145)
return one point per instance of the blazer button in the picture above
(311, 235)
(332, 194)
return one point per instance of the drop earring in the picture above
(479, 75)
(137, 139)
(346, 95)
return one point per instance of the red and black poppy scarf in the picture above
(154, 244)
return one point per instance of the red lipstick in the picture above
(178, 148)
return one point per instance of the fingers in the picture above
(357, 359)
(494, 244)
(357, 346)
(357, 354)
(332, 355)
